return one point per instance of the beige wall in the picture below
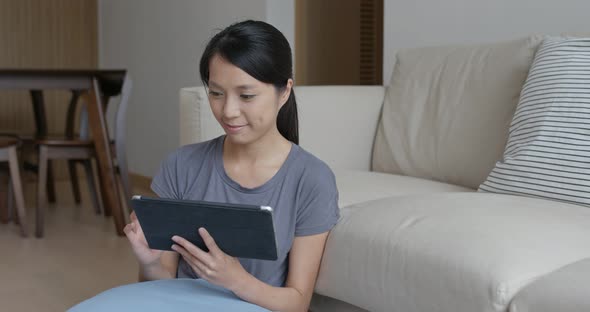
(160, 42)
(414, 23)
(280, 13)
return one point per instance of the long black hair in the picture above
(264, 53)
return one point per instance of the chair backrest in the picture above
(119, 128)
(121, 115)
(121, 139)
(119, 134)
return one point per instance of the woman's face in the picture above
(246, 108)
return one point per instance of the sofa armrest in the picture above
(196, 122)
(336, 123)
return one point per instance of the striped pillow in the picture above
(548, 150)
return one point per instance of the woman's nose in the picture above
(231, 108)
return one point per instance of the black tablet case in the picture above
(243, 231)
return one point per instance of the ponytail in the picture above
(288, 121)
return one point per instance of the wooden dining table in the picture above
(98, 86)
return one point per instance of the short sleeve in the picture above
(319, 212)
(165, 182)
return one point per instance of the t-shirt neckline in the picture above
(259, 189)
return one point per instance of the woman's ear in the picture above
(286, 93)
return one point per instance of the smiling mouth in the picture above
(234, 127)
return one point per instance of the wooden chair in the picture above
(8, 152)
(81, 150)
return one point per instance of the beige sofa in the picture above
(421, 238)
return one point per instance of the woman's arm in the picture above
(304, 264)
(163, 269)
(153, 264)
(219, 268)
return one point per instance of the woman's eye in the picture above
(214, 93)
(247, 96)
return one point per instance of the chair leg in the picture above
(74, 180)
(50, 183)
(18, 190)
(4, 197)
(106, 209)
(41, 190)
(95, 168)
(10, 202)
(92, 187)
(124, 174)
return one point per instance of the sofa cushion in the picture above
(448, 251)
(565, 290)
(447, 110)
(357, 186)
(549, 144)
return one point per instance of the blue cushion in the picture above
(167, 295)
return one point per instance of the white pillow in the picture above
(548, 150)
(447, 110)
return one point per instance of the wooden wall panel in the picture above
(371, 42)
(44, 34)
(331, 34)
(338, 42)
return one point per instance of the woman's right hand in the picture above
(145, 255)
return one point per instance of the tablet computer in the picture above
(243, 231)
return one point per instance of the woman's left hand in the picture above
(214, 266)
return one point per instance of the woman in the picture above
(247, 71)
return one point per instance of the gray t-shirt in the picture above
(302, 194)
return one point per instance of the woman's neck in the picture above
(269, 149)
